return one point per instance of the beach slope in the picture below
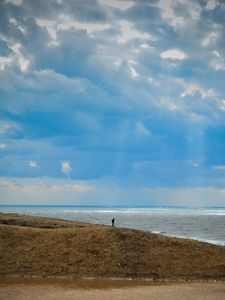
(52, 247)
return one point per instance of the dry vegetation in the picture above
(53, 247)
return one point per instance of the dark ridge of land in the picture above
(38, 222)
(53, 247)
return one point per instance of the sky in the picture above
(112, 102)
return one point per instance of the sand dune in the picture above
(52, 247)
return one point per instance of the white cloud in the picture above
(50, 26)
(44, 190)
(211, 4)
(122, 5)
(222, 104)
(153, 84)
(174, 54)
(216, 53)
(17, 57)
(168, 104)
(176, 20)
(66, 167)
(141, 129)
(219, 167)
(194, 89)
(145, 46)
(16, 2)
(89, 27)
(133, 72)
(217, 64)
(5, 61)
(15, 23)
(193, 163)
(69, 192)
(65, 23)
(211, 38)
(64, 187)
(193, 197)
(128, 33)
(33, 164)
(2, 146)
(165, 5)
(5, 126)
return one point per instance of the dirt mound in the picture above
(52, 247)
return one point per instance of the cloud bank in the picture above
(131, 91)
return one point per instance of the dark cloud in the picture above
(86, 11)
(42, 9)
(141, 12)
(4, 49)
(150, 2)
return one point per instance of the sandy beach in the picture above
(41, 289)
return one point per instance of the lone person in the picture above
(113, 221)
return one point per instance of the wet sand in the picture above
(68, 289)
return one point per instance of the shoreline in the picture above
(37, 211)
(211, 242)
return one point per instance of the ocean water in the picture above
(204, 224)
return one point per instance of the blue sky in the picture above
(112, 102)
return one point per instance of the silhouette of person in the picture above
(113, 221)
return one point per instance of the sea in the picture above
(203, 224)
